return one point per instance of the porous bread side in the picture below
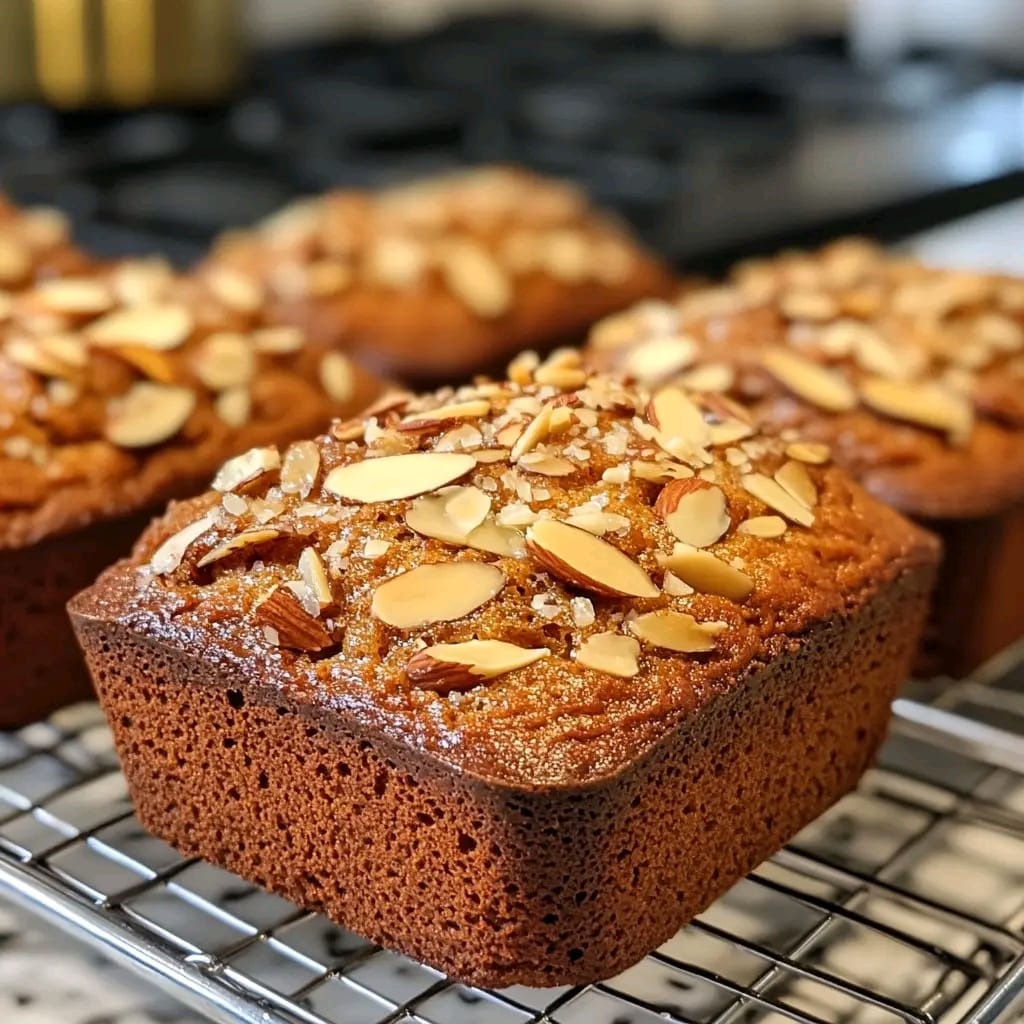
(44, 665)
(498, 885)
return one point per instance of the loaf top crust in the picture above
(486, 262)
(530, 581)
(915, 375)
(124, 385)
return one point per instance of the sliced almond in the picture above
(245, 468)
(147, 414)
(241, 541)
(694, 511)
(707, 573)
(809, 452)
(396, 261)
(74, 296)
(536, 431)
(611, 653)
(168, 556)
(448, 668)
(520, 369)
(466, 507)
(225, 360)
(498, 540)
(710, 377)
(157, 366)
(314, 575)
(337, 377)
(293, 627)
(924, 404)
(763, 526)
(660, 358)
(397, 476)
(236, 290)
(776, 497)
(660, 472)
(597, 521)
(674, 631)
(300, 468)
(278, 341)
(545, 464)
(808, 305)
(474, 277)
(794, 478)
(875, 355)
(446, 414)
(160, 326)
(29, 355)
(439, 592)
(586, 561)
(15, 261)
(810, 381)
(234, 406)
(680, 425)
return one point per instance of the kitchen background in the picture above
(718, 129)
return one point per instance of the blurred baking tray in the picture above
(905, 902)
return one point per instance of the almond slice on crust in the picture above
(545, 464)
(793, 477)
(476, 279)
(168, 556)
(337, 377)
(438, 592)
(535, 432)
(75, 296)
(611, 653)
(147, 414)
(776, 497)
(446, 414)
(448, 668)
(675, 631)
(808, 380)
(707, 573)
(314, 575)
(234, 406)
(300, 467)
(810, 452)
(679, 422)
(282, 612)
(498, 540)
(586, 561)
(397, 476)
(695, 511)
(225, 360)
(921, 403)
(763, 526)
(161, 326)
(660, 358)
(245, 468)
(241, 541)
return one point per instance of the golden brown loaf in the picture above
(914, 375)
(120, 388)
(448, 275)
(514, 678)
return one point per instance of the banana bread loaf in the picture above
(449, 275)
(913, 375)
(120, 389)
(515, 678)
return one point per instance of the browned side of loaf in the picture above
(493, 884)
(43, 667)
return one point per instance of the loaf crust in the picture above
(449, 275)
(76, 487)
(552, 821)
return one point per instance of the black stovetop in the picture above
(708, 153)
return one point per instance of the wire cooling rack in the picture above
(904, 903)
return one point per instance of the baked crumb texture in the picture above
(514, 678)
(445, 276)
(913, 375)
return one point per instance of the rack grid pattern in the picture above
(904, 903)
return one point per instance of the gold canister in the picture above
(75, 53)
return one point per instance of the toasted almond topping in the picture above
(337, 377)
(612, 653)
(225, 360)
(660, 358)
(565, 378)
(439, 592)
(447, 668)
(675, 587)
(776, 497)
(233, 406)
(466, 507)
(586, 561)
(681, 429)
(168, 556)
(397, 476)
(695, 512)
(498, 540)
(300, 467)
(763, 526)
(74, 296)
(453, 515)
(314, 575)
(795, 479)
(278, 341)
(30, 355)
(234, 289)
(809, 452)
(711, 377)
(15, 261)
(282, 612)
(545, 464)
(675, 631)
(159, 326)
(597, 522)
(924, 404)
(706, 573)
(660, 472)
(147, 414)
(241, 541)
(808, 305)
(520, 370)
(809, 381)
(476, 279)
(536, 431)
(875, 355)
(446, 414)
(327, 277)
(245, 468)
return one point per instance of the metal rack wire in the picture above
(904, 903)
